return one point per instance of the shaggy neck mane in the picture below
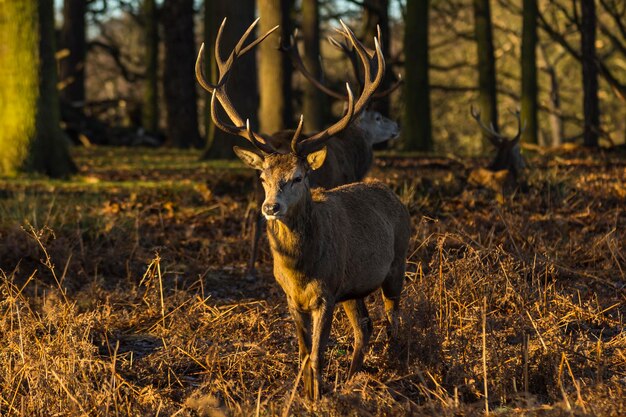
(355, 140)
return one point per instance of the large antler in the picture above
(370, 84)
(219, 90)
(494, 137)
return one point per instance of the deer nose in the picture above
(271, 209)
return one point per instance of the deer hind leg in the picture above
(322, 320)
(392, 290)
(362, 325)
(303, 331)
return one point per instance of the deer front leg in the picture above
(322, 319)
(303, 331)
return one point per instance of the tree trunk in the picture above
(72, 67)
(377, 14)
(30, 136)
(417, 131)
(150, 107)
(486, 64)
(274, 72)
(556, 122)
(529, 72)
(179, 82)
(590, 74)
(313, 100)
(242, 90)
(554, 103)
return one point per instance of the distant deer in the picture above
(350, 155)
(329, 246)
(508, 155)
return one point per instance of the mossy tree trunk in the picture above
(590, 73)
(313, 100)
(179, 81)
(274, 67)
(150, 107)
(486, 64)
(72, 66)
(529, 72)
(417, 130)
(30, 136)
(242, 89)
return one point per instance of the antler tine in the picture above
(316, 141)
(296, 60)
(491, 133)
(200, 73)
(245, 35)
(218, 39)
(296, 136)
(380, 61)
(257, 40)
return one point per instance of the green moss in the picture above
(18, 81)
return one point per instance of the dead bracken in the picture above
(157, 317)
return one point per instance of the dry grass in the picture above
(123, 294)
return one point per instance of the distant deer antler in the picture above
(497, 138)
(218, 90)
(353, 53)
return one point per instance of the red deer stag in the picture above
(350, 156)
(329, 246)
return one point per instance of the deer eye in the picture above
(297, 180)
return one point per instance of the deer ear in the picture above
(316, 159)
(251, 159)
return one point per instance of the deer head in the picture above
(284, 178)
(378, 127)
(285, 175)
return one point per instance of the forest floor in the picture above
(123, 292)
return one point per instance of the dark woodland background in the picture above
(124, 72)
